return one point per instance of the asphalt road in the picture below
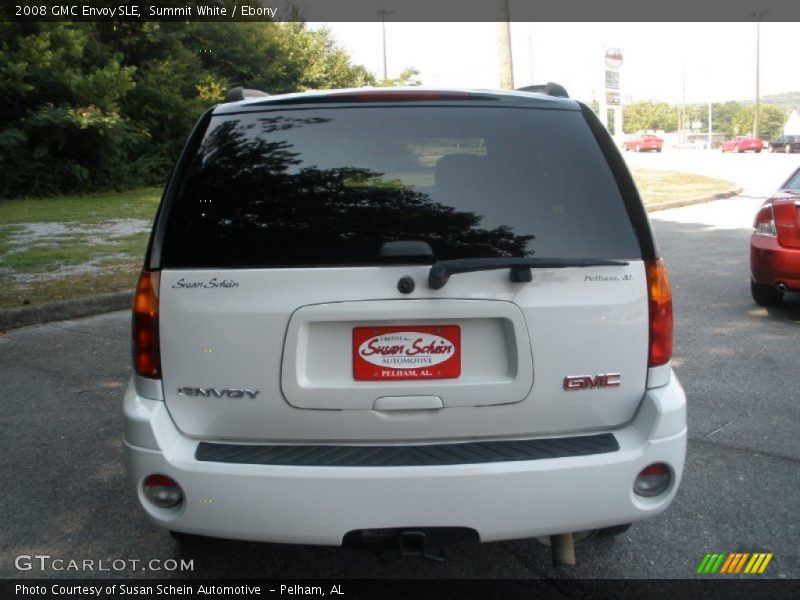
(62, 477)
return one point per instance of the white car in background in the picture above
(692, 145)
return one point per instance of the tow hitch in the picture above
(393, 544)
(413, 543)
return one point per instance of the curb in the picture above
(13, 318)
(688, 202)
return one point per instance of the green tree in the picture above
(723, 115)
(60, 96)
(648, 115)
(408, 77)
(322, 64)
(771, 120)
(737, 118)
(92, 106)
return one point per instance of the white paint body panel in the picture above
(575, 321)
(319, 505)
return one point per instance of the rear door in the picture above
(282, 313)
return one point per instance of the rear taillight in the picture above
(765, 221)
(660, 299)
(146, 353)
(786, 222)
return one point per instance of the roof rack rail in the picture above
(238, 94)
(550, 88)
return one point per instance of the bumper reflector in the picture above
(652, 480)
(162, 491)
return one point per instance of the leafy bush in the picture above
(107, 106)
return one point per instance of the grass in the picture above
(70, 251)
(22, 294)
(85, 255)
(84, 259)
(657, 187)
(134, 204)
(5, 236)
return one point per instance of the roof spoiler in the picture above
(550, 88)
(238, 94)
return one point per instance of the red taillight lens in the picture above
(146, 353)
(399, 96)
(786, 222)
(765, 221)
(159, 481)
(660, 313)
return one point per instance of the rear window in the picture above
(794, 182)
(328, 186)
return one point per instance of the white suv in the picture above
(391, 314)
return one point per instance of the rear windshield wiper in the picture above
(520, 267)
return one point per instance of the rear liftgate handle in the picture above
(408, 403)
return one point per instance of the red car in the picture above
(775, 245)
(643, 141)
(743, 144)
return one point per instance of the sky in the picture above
(671, 62)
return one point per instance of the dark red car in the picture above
(775, 245)
(643, 141)
(743, 144)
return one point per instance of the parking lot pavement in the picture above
(63, 482)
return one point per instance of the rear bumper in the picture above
(771, 263)
(319, 505)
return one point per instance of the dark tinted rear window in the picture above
(794, 182)
(329, 186)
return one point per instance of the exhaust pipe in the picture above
(562, 549)
(781, 287)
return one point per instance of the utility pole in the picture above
(504, 47)
(682, 125)
(710, 138)
(530, 52)
(383, 13)
(757, 119)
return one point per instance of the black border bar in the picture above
(417, 11)
(418, 589)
